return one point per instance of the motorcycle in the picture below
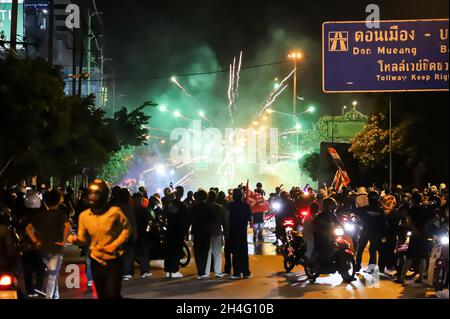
(341, 260)
(157, 230)
(8, 286)
(294, 247)
(352, 228)
(438, 266)
(401, 248)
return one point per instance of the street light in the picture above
(343, 109)
(354, 103)
(295, 57)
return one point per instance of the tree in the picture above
(117, 165)
(45, 133)
(311, 165)
(371, 146)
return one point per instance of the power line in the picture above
(158, 77)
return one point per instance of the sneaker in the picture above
(235, 277)
(248, 276)
(168, 275)
(147, 274)
(90, 283)
(202, 277)
(176, 275)
(39, 292)
(127, 277)
(220, 275)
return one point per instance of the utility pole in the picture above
(14, 14)
(51, 30)
(89, 55)
(390, 141)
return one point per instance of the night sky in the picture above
(152, 38)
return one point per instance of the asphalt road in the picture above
(269, 281)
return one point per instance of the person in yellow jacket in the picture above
(104, 228)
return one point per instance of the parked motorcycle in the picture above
(157, 230)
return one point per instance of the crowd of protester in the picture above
(115, 228)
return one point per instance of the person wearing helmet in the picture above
(323, 226)
(373, 219)
(105, 229)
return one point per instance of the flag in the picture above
(340, 180)
(257, 203)
(336, 158)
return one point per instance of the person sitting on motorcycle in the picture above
(286, 210)
(323, 226)
(308, 234)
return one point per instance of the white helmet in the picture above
(32, 200)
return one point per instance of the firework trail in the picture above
(185, 177)
(175, 81)
(275, 93)
(230, 97)
(238, 75)
(269, 103)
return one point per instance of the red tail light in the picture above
(288, 222)
(304, 213)
(6, 281)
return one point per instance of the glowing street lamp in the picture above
(343, 109)
(354, 103)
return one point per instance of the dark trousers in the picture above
(227, 255)
(173, 254)
(33, 266)
(143, 253)
(375, 242)
(108, 279)
(239, 252)
(387, 255)
(201, 249)
(128, 259)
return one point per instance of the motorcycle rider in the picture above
(323, 226)
(373, 220)
(286, 210)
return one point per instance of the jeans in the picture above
(258, 230)
(88, 267)
(129, 257)
(53, 263)
(215, 251)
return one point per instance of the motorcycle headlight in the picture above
(276, 206)
(444, 240)
(349, 227)
(409, 233)
(339, 231)
(288, 229)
